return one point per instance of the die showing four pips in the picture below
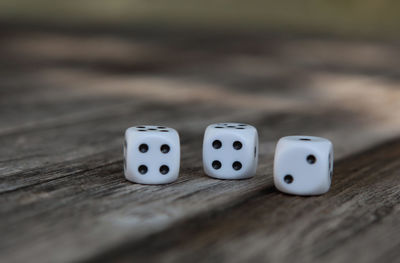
(303, 165)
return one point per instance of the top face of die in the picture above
(152, 130)
(231, 128)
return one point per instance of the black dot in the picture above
(216, 165)
(237, 166)
(164, 131)
(255, 151)
(164, 148)
(242, 125)
(142, 130)
(239, 128)
(161, 127)
(288, 179)
(231, 126)
(141, 127)
(237, 145)
(304, 139)
(217, 144)
(142, 169)
(311, 159)
(152, 129)
(164, 169)
(143, 148)
(218, 127)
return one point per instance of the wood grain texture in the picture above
(67, 98)
(357, 220)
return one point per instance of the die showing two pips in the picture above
(303, 165)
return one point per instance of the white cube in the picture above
(151, 154)
(303, 165)
(230, 151)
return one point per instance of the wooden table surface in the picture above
(66, 98)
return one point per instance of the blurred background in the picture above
(354, 18)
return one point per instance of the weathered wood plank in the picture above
(98, 208)
(357, 221)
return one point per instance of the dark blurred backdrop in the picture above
(351, 18)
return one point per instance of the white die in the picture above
(303, 165)
(151, 154)
(230, 151)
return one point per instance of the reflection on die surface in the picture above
(151, 154)
(230, 151)
(303, 165)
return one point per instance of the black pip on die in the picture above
(230, 151)
(151, 154)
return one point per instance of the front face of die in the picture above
(152, 154)
(230, 151)
(303, 165)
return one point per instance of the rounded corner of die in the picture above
(175, 133)
(287, 137)
(330, 145)
(283, 140)
(210, 128)
(129, 177)
(128, 131)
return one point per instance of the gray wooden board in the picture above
(66, 101)
(357, 221)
